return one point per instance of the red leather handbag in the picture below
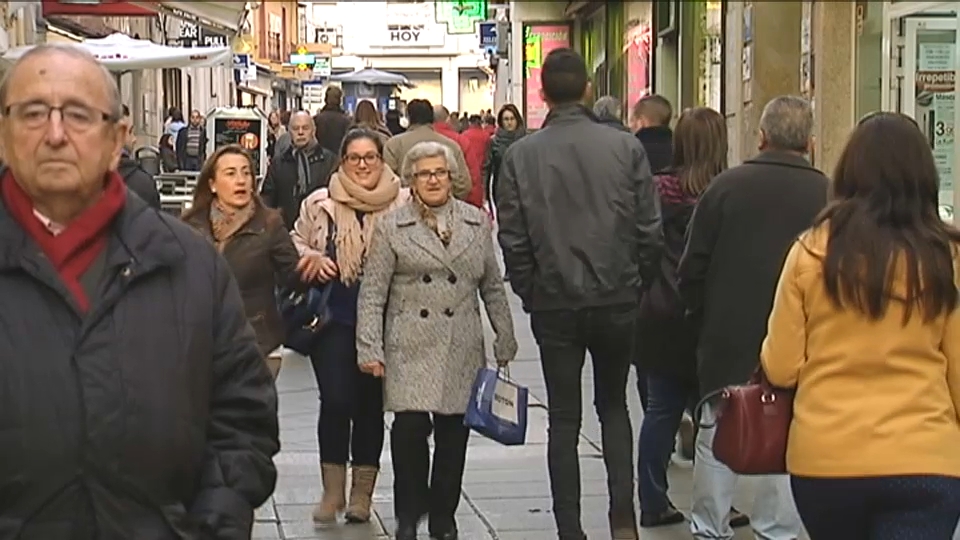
(752, 426)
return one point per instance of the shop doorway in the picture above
(919, 80)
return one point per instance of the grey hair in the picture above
(440, 113)
(427, 149)
(115, 108)
(787, 123)
(608, 107)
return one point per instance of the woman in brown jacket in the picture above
(251, 237)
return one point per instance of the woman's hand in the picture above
(373, 368)
(316, 267)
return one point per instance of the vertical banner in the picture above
(636, 48)
(539, 40)
(935, 91)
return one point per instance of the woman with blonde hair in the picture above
(336, 226)
(367, 117)
(419, 328)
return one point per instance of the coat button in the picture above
(427, 278)
(452, 278)
(448, 312)
(424, 313)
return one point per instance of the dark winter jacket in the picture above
(658, 142)
(151, 416)
(280, 185)
(738, 237)
(332, 124)
(138, 180)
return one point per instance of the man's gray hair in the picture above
(787, 123)
(608, 107)
(440, 113)
(427, 149)
(115, 108)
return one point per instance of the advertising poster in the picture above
(539, 40)
(637, 51)
(935, 85)
(244, 132)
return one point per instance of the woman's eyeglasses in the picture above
(368, 159)
(439, 174)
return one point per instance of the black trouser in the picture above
(564, 337)
(413, 494)
(351, 402)
(878, 508)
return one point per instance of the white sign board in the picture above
(400, 36)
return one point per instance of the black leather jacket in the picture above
(579, 214)
(280, 189)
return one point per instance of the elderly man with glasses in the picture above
(134, 402)
(302, 168)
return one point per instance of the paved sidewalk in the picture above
(505, 494)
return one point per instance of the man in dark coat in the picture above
(332, 123)
(134, 402)
(580, 232)
(738, 237)
(650, 122)
(191, 143)
(138, 180)
(302, 168)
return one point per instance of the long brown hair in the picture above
(884, 222)
(367, 115)
(203, 193)
(699, 148)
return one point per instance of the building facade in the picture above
(438, 51)
(273, 34)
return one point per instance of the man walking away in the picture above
(332, 123)
(443, 124)
(580, 232)
(192, 143)
(736, 243)
(422, 128)
(650, 121)
(304, 167)
(138, 180)
(476, 142)
(608, 111)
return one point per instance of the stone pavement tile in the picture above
(510, 513)
(470, 526)
(299, 530)
(266, 531)
(267, 512)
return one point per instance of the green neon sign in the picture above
(461, 16)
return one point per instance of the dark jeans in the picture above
(413, 494)
(564, 337)
(351, 402)
(878, 508)
(192, 163)
(668, 398)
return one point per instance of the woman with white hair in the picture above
(609, 112)
(419, 327)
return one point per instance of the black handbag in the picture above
(306, 312)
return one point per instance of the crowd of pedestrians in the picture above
(140, 350)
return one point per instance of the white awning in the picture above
(217, 16)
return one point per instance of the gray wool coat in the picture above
(419, 309)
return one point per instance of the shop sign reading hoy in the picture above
(407, 35)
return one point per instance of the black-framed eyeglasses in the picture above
(439, 174)
(369, 159)
(75, 116)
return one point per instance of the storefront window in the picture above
(636, 50)
(711, 56)
(594, 50)
(539, 40)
